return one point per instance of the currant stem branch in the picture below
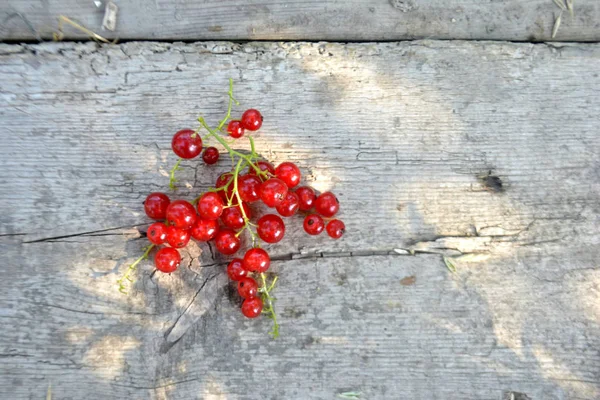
(172, 179)
(268, 302)
(131, 269)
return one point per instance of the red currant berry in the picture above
(226, 242)
(251, 308)
(187, 144)
(210, 206)
(307, 197)
(264, 166)
(167, 259)
(257, 260)
(222, 181)
(270, 228)
(232, 216)
(335, 228)
(177, 237)
(289, 205)
(157, 233)
(247, 288)
(327, 204)
(313, 224)
(156, 205)
(210, 155)
(252, 119)
(248, 187)
(235, 129)
(204, 229)
(273, 191)
(235, 270)
(181, 214)
(289, 173)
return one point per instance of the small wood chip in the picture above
(556, 25)
(110, 16)
(570, 7)
(449, 264)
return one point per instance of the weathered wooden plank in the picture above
(329, 20)
(405, 133)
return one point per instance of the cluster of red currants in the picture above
(223, 213)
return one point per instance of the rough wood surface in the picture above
(329, 20)
(484, 153)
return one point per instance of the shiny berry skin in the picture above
(247, 288)
(204, 229)
(273, 191)
(157, 233)
(223, 180)
(235, 129)
(177, 237)
(289, 205)
(256, 260)
(307, 197)
(167, 259)
(186, 143)
(327, 204)
(313, 224)
(335, 228)
(270, 228)
(252, 119)
(232, 216)
(226, 242)
(210, 155)
(248, 187)
(156, 205)
(289, 173)
(251, 308)
(264, 166)
(210, 205)
(235, 270)
(181, 214)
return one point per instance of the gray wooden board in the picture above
(404, 133)
(331, 20)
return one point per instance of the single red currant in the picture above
(167, 259)
(235, 270)
(289, 173)
(223, 180)
(156, 205)
(157, 233)
(335, 228)
(252, 119)
(327, 204)
(186, 143)
(248, 187)
(226, 242)
(204, 229)
(232, 216)
(264, 166)
(177, 237)
(235, 129)
(251, 308)
(247, 288)
(270, 228)
(210, 206)
(289, 205)
(273, 191)
(256, 260)
(181, 214)
(307, 197)
(313, 224)
(210, 155)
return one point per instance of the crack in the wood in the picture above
(88, 233)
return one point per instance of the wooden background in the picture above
(414, 137)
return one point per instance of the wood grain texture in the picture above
(407, 134)
(330, 20)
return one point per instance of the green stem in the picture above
(172, 179)
(269, 301)
(131, 269)
(231, 101)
